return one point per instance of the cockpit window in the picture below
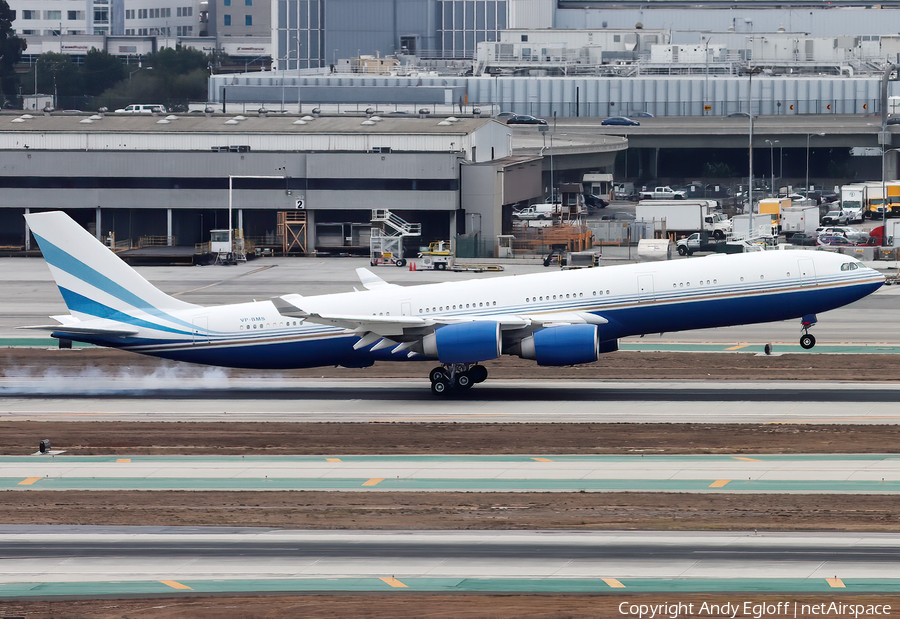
(851, 266)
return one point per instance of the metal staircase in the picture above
(386, 241)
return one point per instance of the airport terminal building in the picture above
(125, 177)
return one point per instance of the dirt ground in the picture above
(575, 511)
(419, 606)
(458, 511)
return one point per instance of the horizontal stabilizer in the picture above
(64, 329)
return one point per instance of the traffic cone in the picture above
(411, 265)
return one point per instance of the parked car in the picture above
(524, 119)
(619, 216)
(535, 211)
(594, 202)
(804, 238)
(833, 240)
(504, 115)
(142, 108)
(895, 120)
(851, 233)
(642, 115)
(739, 115)
(836, 217)
(622, 121)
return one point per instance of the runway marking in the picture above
(393, 582)
(719, 483)
(175, 585)
(746, 459)
(613, 583)
(836, 583)
(439, 418)
(374, 481)
(332, 459)
(29, 481)
(124, 460)
(542, 459)
(830, 419)
(738, 347)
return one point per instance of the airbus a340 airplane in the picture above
(559, 318)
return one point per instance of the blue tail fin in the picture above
(94, 282)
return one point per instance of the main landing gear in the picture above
(807, 340)
(454, 377)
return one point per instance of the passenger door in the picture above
(645, 288)
(807, 272)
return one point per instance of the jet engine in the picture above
(466, 342)
(565, 345)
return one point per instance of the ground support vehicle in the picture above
(685, 216)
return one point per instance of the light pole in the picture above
(283, 66)
(806, 188)
(247, 64)
(706, 80)
(750, 72)
(772, 144)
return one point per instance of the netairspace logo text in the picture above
(756, 610)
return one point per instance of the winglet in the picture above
(370, 281)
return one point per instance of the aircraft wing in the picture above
(406, 331)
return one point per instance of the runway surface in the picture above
(45, 561)
(848, 474)
(214, 397)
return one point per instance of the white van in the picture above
(536, 211)
(142, 108)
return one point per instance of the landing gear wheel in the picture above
(401, 262)
(437, 374)
(440, 387)
(478, 373)
(807, 341)
(464, 381)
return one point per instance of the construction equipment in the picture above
(386, 242)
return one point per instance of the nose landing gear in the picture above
(456, 377)
(807, 340)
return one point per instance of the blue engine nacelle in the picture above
(466, 342)
(566, 345)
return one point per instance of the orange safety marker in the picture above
(719, 483)
(613, 583)
(542, 459)
(29, 481)
(124, 460)
(836, 583)
(393, 582)
(332, 459)
(374, 481)
(746, 459)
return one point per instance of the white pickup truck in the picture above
(663, 193)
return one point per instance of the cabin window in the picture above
(607, 292)
(495, 304)
(762, 276)
(742, 279)
(715, 281)
(580, 294)
(595, 293)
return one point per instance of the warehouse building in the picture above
(130, 177)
